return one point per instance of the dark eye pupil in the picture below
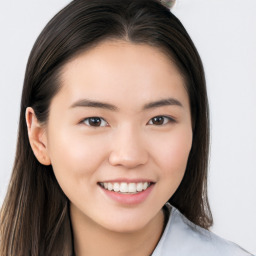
(95, 121)
(158, 120)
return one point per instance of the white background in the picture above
(224, 32)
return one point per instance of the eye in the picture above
(95, 122)
(160, 120)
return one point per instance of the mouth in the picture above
(126, 187)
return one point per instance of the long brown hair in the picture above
(35, 213)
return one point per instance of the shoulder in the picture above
(182, 237)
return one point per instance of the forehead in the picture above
(123, 53)
(119, 70)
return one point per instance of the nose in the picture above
(128, 149)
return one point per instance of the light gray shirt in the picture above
(181, 237)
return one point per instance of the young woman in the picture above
(113, 139)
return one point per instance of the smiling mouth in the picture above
(124, 187)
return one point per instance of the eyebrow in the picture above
(164, 102)
(93, 104)
(102, 105)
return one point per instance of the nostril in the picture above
(127, 160)
(128, 148)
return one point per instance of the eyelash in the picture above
(87, 120)
(166, 120)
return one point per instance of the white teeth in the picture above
(139, 187)
(132, 188)
(110, 186)
(124, 187)
(116, 187)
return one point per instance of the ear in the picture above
(37, 137)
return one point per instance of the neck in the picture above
(92, 239)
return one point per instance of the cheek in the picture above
(173, 158)
(75, 156)
(173, 154)
(75, 161)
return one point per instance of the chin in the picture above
(125, 226)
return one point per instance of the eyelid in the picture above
(169, 120)
(83, 121)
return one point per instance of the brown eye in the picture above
(95, 122)
(160, 120)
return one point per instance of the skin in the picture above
(126, 145)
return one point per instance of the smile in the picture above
(124, 187)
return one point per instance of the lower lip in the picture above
(129, 199)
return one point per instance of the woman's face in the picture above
(121, 121)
